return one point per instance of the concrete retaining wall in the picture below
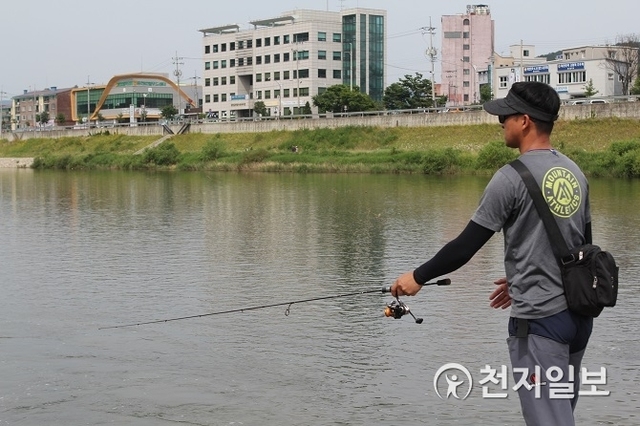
(14, 163)
(573, 112)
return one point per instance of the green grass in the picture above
(602, 147)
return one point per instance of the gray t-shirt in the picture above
(535, 284)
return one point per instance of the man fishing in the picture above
(543, 333)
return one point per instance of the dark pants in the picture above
(546, 359)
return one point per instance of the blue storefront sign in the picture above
(538, 69)
(571, 66)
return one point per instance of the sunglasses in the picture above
(503, 118)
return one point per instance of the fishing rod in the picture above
(396, 308)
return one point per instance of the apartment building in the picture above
(467, 46)
(26, 107)
(286, 60)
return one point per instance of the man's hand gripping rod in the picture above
(398, 309)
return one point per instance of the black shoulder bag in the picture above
(589, 275)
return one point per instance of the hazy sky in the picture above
(65, 43)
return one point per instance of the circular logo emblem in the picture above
(453, 381)
(562, 192)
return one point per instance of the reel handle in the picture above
(444, 281)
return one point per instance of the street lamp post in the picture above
(350, 65)
(88, 102)
(144, 108)
(296, 53)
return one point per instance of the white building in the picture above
(285, 61)
(569, 74)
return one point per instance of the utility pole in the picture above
(432, 53)
(178, 74)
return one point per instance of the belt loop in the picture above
(522, 327)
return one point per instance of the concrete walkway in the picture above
(153, 145)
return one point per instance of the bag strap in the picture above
(558, 244)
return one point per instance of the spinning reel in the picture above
(398, 309)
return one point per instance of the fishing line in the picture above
(395, 309)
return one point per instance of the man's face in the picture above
(511, 125)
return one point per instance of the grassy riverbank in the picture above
(602, 147)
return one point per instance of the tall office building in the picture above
(286, 60)
(467, 46)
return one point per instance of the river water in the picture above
(87, 250)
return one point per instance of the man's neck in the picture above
(538, 143)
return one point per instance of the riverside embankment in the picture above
(623, 110)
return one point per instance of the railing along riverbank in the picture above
(384, 119)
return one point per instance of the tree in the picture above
(485, 93)
(635, 90)
(260, 108)
(410, 92)
(306, 110)
(42, 118)
(623, 59)
(340, 98)
(169, 112)
(60, 119)
(589, 89)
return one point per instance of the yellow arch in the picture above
(115, 79)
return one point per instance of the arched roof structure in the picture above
(115, 79)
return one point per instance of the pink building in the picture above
(467, 47)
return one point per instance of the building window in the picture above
(258, 78)
(267, 59)
(466, 47)
(503, 82)
(303, 73)
(452, 34)
(258, 60)
(215, 81)
(267, 41)
(466, 71)
(232, 79)
(207, 65)
(465, 22)
(267, 94)
(276, 40)
(465, 34)
(465, 59)
(322, 54)
(304, 91)
(223, 97)
(276, 58)
(337, 74)
(207, 82)
(525, 52)
(287, 93)
(337, 37)
(466, 98)
(223, 64)
(258, 42)
(322, 36)
(276, 75)
(215, 65)
(216, 98)
(207, 49)
(223, 81)
(465, 84)
(300, 37)
(240, 44)
(337, 56)
(215, 48)
(232, 46)
(572, 77)
(286, 57)
(207, 98)
(542, 78)
(286, 39)
(286, 75)
(223, 47)
(267, 76)
(259, 94)
(322, 73)
(232, 63)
